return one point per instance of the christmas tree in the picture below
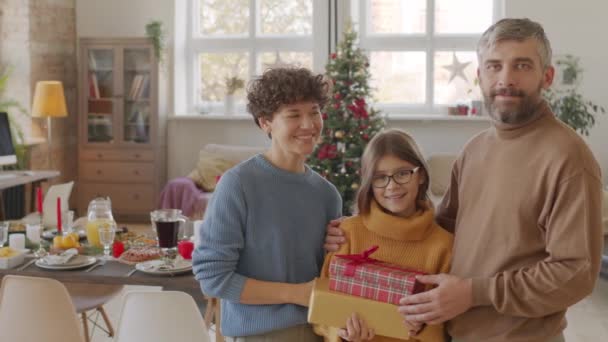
(349, 122)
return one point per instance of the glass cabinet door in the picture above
(101, 110)
(137, 85)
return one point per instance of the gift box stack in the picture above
(369, 287)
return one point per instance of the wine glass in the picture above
(107, 232)
(3, 233)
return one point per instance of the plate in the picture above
(50, 234)
(152, 267)
(76, 262)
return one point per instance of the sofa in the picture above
(191, 193)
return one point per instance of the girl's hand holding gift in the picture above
(356, 330)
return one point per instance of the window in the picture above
(242, 38)
(422, 52)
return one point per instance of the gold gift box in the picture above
(334, 308)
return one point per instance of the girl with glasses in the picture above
(394, 213)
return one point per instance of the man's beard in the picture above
(519, 114)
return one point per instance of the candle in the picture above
(32, 231)
(16, 241)
(58, 216)
(39, 200)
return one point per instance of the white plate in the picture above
(152, 267)
(78, 261)
(50, 234)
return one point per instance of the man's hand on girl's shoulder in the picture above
(335, 236)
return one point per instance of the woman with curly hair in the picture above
(262, 237)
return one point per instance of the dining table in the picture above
(113, 272)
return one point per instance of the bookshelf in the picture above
(120, 150)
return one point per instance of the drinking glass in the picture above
(3, 232)
(106, 238)
(166, 223)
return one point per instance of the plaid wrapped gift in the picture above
(362, 276)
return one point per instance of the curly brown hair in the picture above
(281, 86)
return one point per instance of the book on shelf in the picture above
(139, 87)
(93, 86)
(92, 61)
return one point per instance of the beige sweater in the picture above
(525, 205)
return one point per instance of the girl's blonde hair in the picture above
(391, 142)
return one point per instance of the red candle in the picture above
(39, 200)
(58, 216)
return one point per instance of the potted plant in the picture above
(566, 102)
(232, 85)
(7, 105)
(155, 31)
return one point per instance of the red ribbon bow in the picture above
(358, 259)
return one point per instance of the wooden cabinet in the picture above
(120, 152)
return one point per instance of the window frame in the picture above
(427, 42)
(253, 43)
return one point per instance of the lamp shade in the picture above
(49, 100)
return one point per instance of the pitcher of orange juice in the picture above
(99, 214)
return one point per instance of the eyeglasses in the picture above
(400, 177)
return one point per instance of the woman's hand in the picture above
(356, 330)
(335, 236)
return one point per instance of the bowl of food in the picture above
(11, 257)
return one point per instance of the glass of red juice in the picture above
(166, 224)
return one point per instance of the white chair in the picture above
(88, 297)
(49, 204)
(37, 309)
(160, 317)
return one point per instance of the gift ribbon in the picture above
(358, 259)
(363, 258)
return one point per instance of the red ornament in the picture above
(363, 127)
(117, 249)
(324, 116)
(336, 105)
(327, 152)
(337, 96)
(365, 136)
(333, 56)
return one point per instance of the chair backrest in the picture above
(49, 204)
(37, 309)
(159, 317)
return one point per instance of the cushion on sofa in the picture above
(208, 168)
(440, 169)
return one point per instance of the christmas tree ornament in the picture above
(354, 186)
(339, 134)
(456, 69)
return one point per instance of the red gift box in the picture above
(362, 276)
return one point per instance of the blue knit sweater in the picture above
(268, 224)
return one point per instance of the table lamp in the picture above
(49, 102)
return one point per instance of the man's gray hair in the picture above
(519, 30)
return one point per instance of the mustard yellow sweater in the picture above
(416, 242)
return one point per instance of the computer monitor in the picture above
(7, 150)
